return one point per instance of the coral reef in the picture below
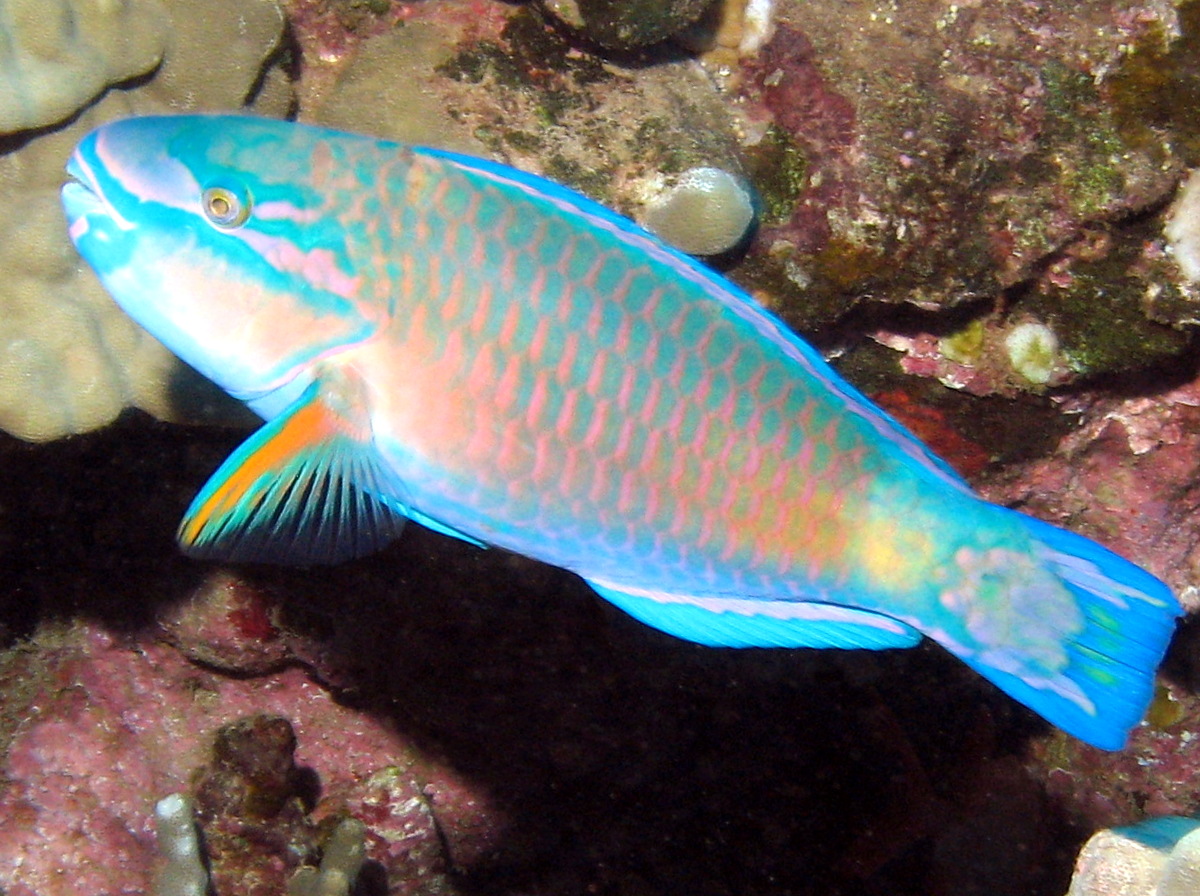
(1183, 228)
(59, 55)
(495, 726)
(509, 87)
(706, 211)
(133, 721)
(860, 132)
(341, 860)
(254, 759)
(953, 155)
(983, 189)
(250, 803)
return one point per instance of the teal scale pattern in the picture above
(621, 422)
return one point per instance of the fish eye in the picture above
(225, 208)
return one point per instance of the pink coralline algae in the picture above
(968, 157)
(1128, 476)
(790, 84)
(116, 723)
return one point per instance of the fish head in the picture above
(214, 234)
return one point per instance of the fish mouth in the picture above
(84, 201)
(80, 180)
(80, 198)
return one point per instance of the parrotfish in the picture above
(441, 338)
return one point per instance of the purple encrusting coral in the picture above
(970, 157)
(804, 104)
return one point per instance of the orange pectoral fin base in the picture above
(305, 489)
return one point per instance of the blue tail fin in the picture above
(1128, 619)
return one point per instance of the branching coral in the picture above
(185, 873)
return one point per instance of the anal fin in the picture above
(744, 622)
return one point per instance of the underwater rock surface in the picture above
(627, 24)
(116, 723)
(945, 156)
(59, 55)
(494, 724)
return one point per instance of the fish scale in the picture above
(442, 338)
(621, 465)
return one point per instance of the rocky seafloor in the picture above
(977, 208)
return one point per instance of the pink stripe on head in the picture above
(316, 266)
(281, 210)
(78, 228)
(149, 174)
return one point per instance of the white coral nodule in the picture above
(1032, 350)
(708, 211)
(179, 840)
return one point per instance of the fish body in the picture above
(441, 338)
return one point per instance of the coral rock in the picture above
(108, 726)
(708, 211)
(1183, 228)
(627, 24)
(60, 54)
(1158, 857)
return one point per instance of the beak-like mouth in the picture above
(80, 198)
(83, 199)
(80, 177)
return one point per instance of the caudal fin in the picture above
(1104, 689)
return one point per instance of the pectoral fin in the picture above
(742, 622)
(306, 488)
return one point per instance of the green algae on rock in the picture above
(1154, 88)
(968, 163)
(937, 161)
(1096, 302)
